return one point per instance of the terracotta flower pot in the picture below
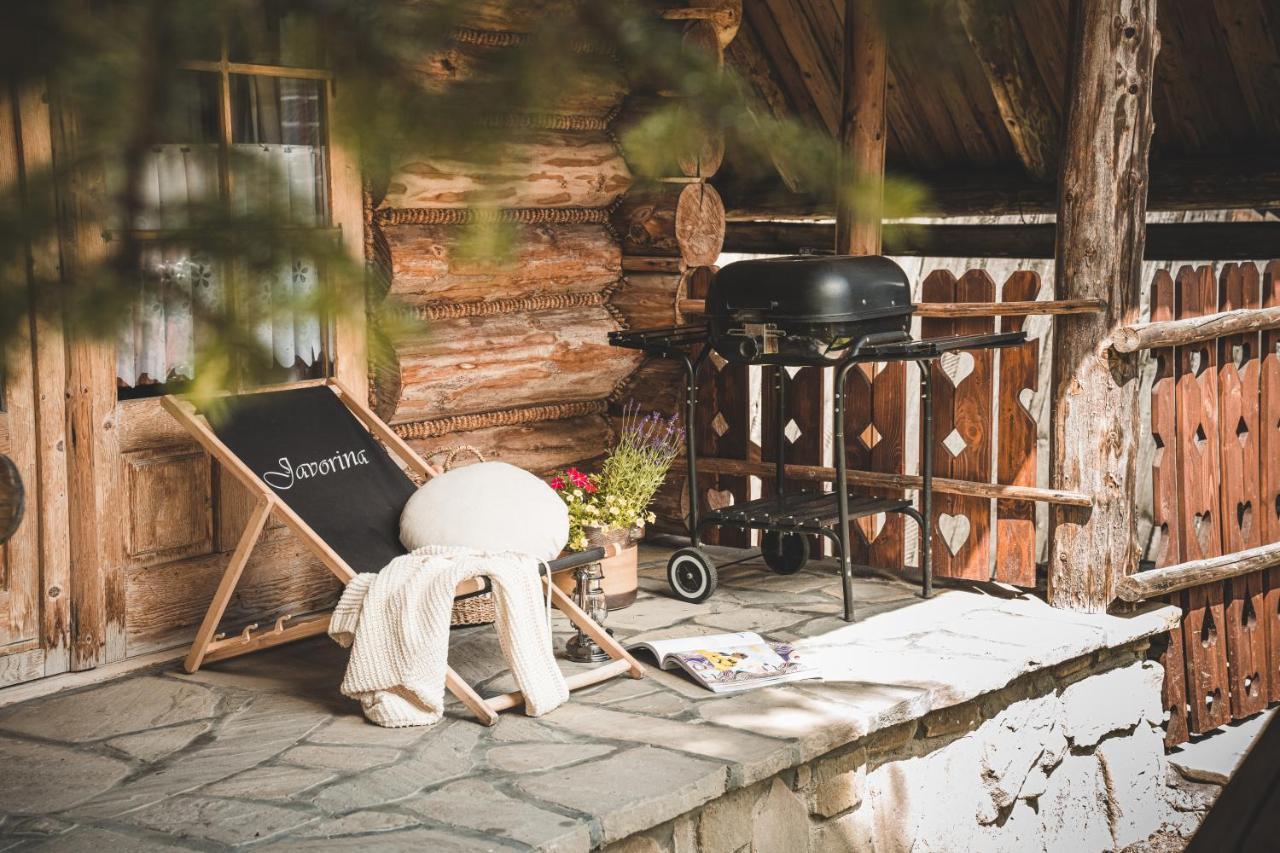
(619, 565)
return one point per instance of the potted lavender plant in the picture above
(610, 508)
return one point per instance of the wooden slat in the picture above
(964, 409)
(1203, 623)
(1269, 481)
(1164, 417)
(1238, 490)
(1173, 692)
(864, 532)
(724, 430)
(1271, 623)
(1016, 449)
(805, 394)
(888, 456)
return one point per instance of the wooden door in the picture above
(34, 589)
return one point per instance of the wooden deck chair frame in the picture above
(209, 647)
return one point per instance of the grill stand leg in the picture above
(690, 453)
(779, 387)
(926, 478)
(842, 492)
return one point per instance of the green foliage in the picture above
(113, 73)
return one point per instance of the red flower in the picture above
(557, 483)
(590, 487)
(579, 479)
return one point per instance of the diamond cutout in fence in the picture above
(720, 425)
(791, 431)
(954, 443)
(717, 360)
(792, 371)
(870, 436)
(1242, 432)
(1200, 438)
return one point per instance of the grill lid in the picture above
(809, 289)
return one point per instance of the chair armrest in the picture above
(572, 561)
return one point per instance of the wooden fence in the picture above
(978, 533)
(1215, 419)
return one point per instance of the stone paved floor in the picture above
(264, 751)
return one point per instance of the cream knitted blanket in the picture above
(396, 623)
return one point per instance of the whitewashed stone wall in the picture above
(1070, 759)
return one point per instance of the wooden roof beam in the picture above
(1166, 241)
(1020, 94)
(1200, 183)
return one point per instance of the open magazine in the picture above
(725, 663)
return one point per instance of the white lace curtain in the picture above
(158, 343)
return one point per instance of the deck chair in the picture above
(316, 456)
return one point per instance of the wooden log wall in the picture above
(511, 353)
(1215, 420)
(671, 229)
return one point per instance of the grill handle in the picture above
(878, 339)
(772, 306)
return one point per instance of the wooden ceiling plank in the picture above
(797, 35)
(1251, 47)
(1024, 105)
(761, 22)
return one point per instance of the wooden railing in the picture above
(1215, 419)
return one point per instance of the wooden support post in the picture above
(1102, 195)
(862, 130)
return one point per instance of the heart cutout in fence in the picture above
(871, 526)
(1244, 519)
(954, 530)
(719, 498)
(956, 366)
(1203, 528)
(1025, 396)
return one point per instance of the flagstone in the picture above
(502, 816)
(219, 820)
(151, 746)
(111, 709)
(530, 757)
(632, 790)
(272, 782)
(41, 778)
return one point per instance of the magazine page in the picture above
(745, 667)
(665, 650)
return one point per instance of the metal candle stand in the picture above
(588, 595)
(788, 519)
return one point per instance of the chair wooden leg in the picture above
(469, 697)
(227, 585)
(602, 637)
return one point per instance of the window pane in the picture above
(182, 171)
(157, 342)
(279, 157)
(264, 34)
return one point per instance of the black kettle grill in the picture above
(804, 310)
(825, 311)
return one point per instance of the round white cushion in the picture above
(490, 506)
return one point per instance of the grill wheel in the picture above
(785, 553)
(691, 575)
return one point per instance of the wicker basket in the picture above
(475, 609)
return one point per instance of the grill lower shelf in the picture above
(807, 511)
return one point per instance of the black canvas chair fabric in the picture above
(317, 458)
